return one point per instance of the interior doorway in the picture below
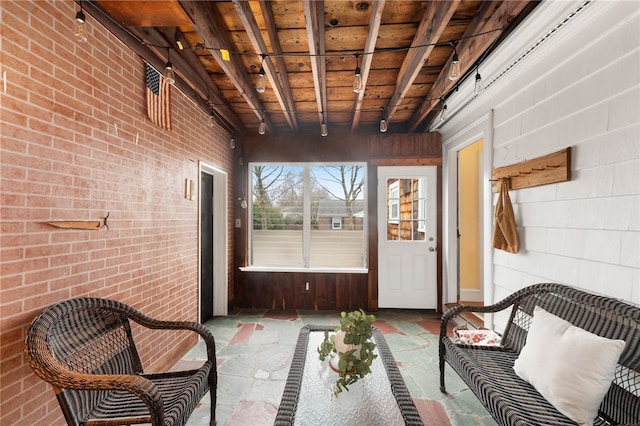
(214, 263)
(479, 130)
(470, 261)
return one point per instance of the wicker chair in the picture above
(84, 348)
(488, 370)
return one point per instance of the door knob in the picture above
(432, 249)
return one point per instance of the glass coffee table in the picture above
(380, 398)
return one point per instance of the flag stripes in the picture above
(158, 98)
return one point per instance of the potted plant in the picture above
(351, 347)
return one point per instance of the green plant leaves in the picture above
(352, 367)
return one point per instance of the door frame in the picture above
(480, 129)
(220, 242)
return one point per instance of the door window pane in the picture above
(406, 213)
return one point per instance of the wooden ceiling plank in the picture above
(367, 59)
(491, 16)
(213, 31)
(272, 31)
(314, 17)
(259, 45)
(434, 21)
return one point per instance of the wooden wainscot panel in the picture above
(287, 290)
(422, 149)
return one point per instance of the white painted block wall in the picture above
(580, 90)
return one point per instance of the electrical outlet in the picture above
(238, 223)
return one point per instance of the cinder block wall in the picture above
(582, 92)
(76, 145)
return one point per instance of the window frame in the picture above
(306, 229)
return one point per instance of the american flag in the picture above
(158, 98)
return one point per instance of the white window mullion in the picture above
(306, 216)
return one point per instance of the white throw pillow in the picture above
(569, 366)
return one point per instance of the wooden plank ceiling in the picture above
(309, 50)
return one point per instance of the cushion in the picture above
(476, 337)
(569, 366)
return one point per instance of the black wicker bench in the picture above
(84, 348)
(489, 370)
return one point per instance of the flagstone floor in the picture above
(255, 348)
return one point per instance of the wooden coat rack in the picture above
(550, 168)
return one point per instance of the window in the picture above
(307, 215)
(407, 214)
(336, 223)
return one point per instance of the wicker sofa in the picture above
(489, 370)
(84, 348)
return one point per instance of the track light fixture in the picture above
(324, 131)
(169, 76)
(357, 76)
(383, 123)
(79, 31)
(454, 71)
(261, 84)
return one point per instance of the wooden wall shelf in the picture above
(550, 168)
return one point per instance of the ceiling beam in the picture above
(283, 94)
(367, 57)
(492, 18)
(187, 64)
(210, 26)
(434, 21)
(314, 17)
(228, 118)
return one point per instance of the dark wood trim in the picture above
(328, 291)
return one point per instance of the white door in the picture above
(407, 256)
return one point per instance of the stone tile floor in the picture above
(255, 348)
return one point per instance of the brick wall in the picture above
(76, 145)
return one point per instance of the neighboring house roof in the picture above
(337, 208)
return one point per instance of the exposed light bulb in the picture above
(443, 114)
(261, 84)
(323, 129)
(357, 81)
(454, 71)
(383, 125)
(78, 27)
(262, 128)
(479, 85)
(168, 73)
(357, 77)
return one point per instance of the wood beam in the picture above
(187, 64)
(434, 21)
(230, 121)
(367, 58)
(494, 15)
(314, 17)
(285, 98)
(210, 26)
